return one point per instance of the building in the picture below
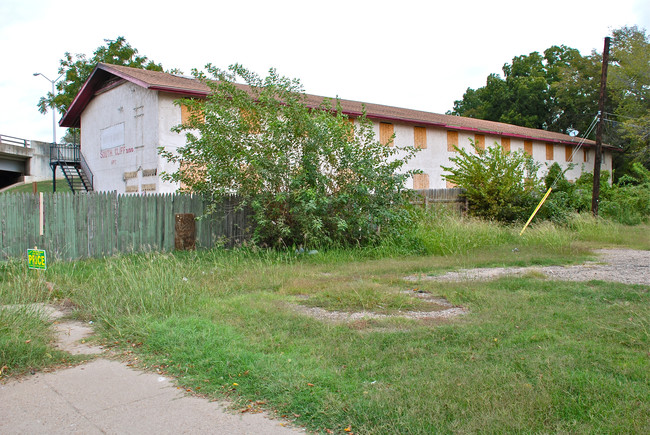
(126, 114)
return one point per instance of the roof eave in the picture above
(72, 117)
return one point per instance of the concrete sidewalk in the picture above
(107, 397)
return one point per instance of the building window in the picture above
(568, 153)
(350, 128)
(586, 155)
(386, 131)
(479, 141)
(549, 151)
(186, 114)
(452, 140)
(420, 137)
(420, 181)
(505, 144)
(528, 147)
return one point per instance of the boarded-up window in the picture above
(351, 128)
(528, 147)
(479, 140)
(549, 151)
(450, 185)
(568, 153)
(386, 131)
(251, 120)
(190, 173)
(420, 137)
(505, 144)
(452, 140)
(420, 181)
(186, 114)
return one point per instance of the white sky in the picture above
(415, 54)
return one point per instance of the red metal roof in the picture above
(105, 74)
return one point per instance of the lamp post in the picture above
(53, 107)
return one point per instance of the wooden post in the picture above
(40, 214)
(185, 232)
(599, 130)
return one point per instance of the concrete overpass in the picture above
(23, 160)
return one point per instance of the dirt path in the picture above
(626, 266)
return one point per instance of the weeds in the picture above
(532, 356)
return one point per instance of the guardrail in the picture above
(15, 141)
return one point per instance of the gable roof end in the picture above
(154, 80)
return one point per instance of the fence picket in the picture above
(101, 224)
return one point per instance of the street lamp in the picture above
(53, 107)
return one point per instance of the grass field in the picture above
(531, 355)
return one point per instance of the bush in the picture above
(627, 202)
(498, 185)
(311, 176)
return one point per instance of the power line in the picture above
(578, 147)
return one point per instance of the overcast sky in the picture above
(414, 54)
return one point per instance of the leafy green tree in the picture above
(311, 177)
(498, 185)
(525, 95)
(629, 83)
(77, 68)
(559, 92)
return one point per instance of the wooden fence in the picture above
(431, 197)
(101, 224)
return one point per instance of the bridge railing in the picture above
(15, 141)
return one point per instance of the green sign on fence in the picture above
(36, 259)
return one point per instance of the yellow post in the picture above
(548, 192)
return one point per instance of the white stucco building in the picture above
(126, 114)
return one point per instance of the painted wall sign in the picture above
(111, 137)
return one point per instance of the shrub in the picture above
(311, 177)
(498, 185)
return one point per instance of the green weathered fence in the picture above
(100, 224)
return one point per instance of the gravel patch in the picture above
(342, 316)
(626, 266)
(446, 311)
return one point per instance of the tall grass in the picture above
(25, 340)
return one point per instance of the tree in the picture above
(311, 177)
(559, 92)
(629, 82)
(526, 94)
(498, 185)
(77, 68)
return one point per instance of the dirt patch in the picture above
(626, 266)
(70, 335)
(441, 309)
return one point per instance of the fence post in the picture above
(185, 232)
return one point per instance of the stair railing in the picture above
(86, 170)
(64, 153)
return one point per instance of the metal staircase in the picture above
(73, 165)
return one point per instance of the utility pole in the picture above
(599, 130)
